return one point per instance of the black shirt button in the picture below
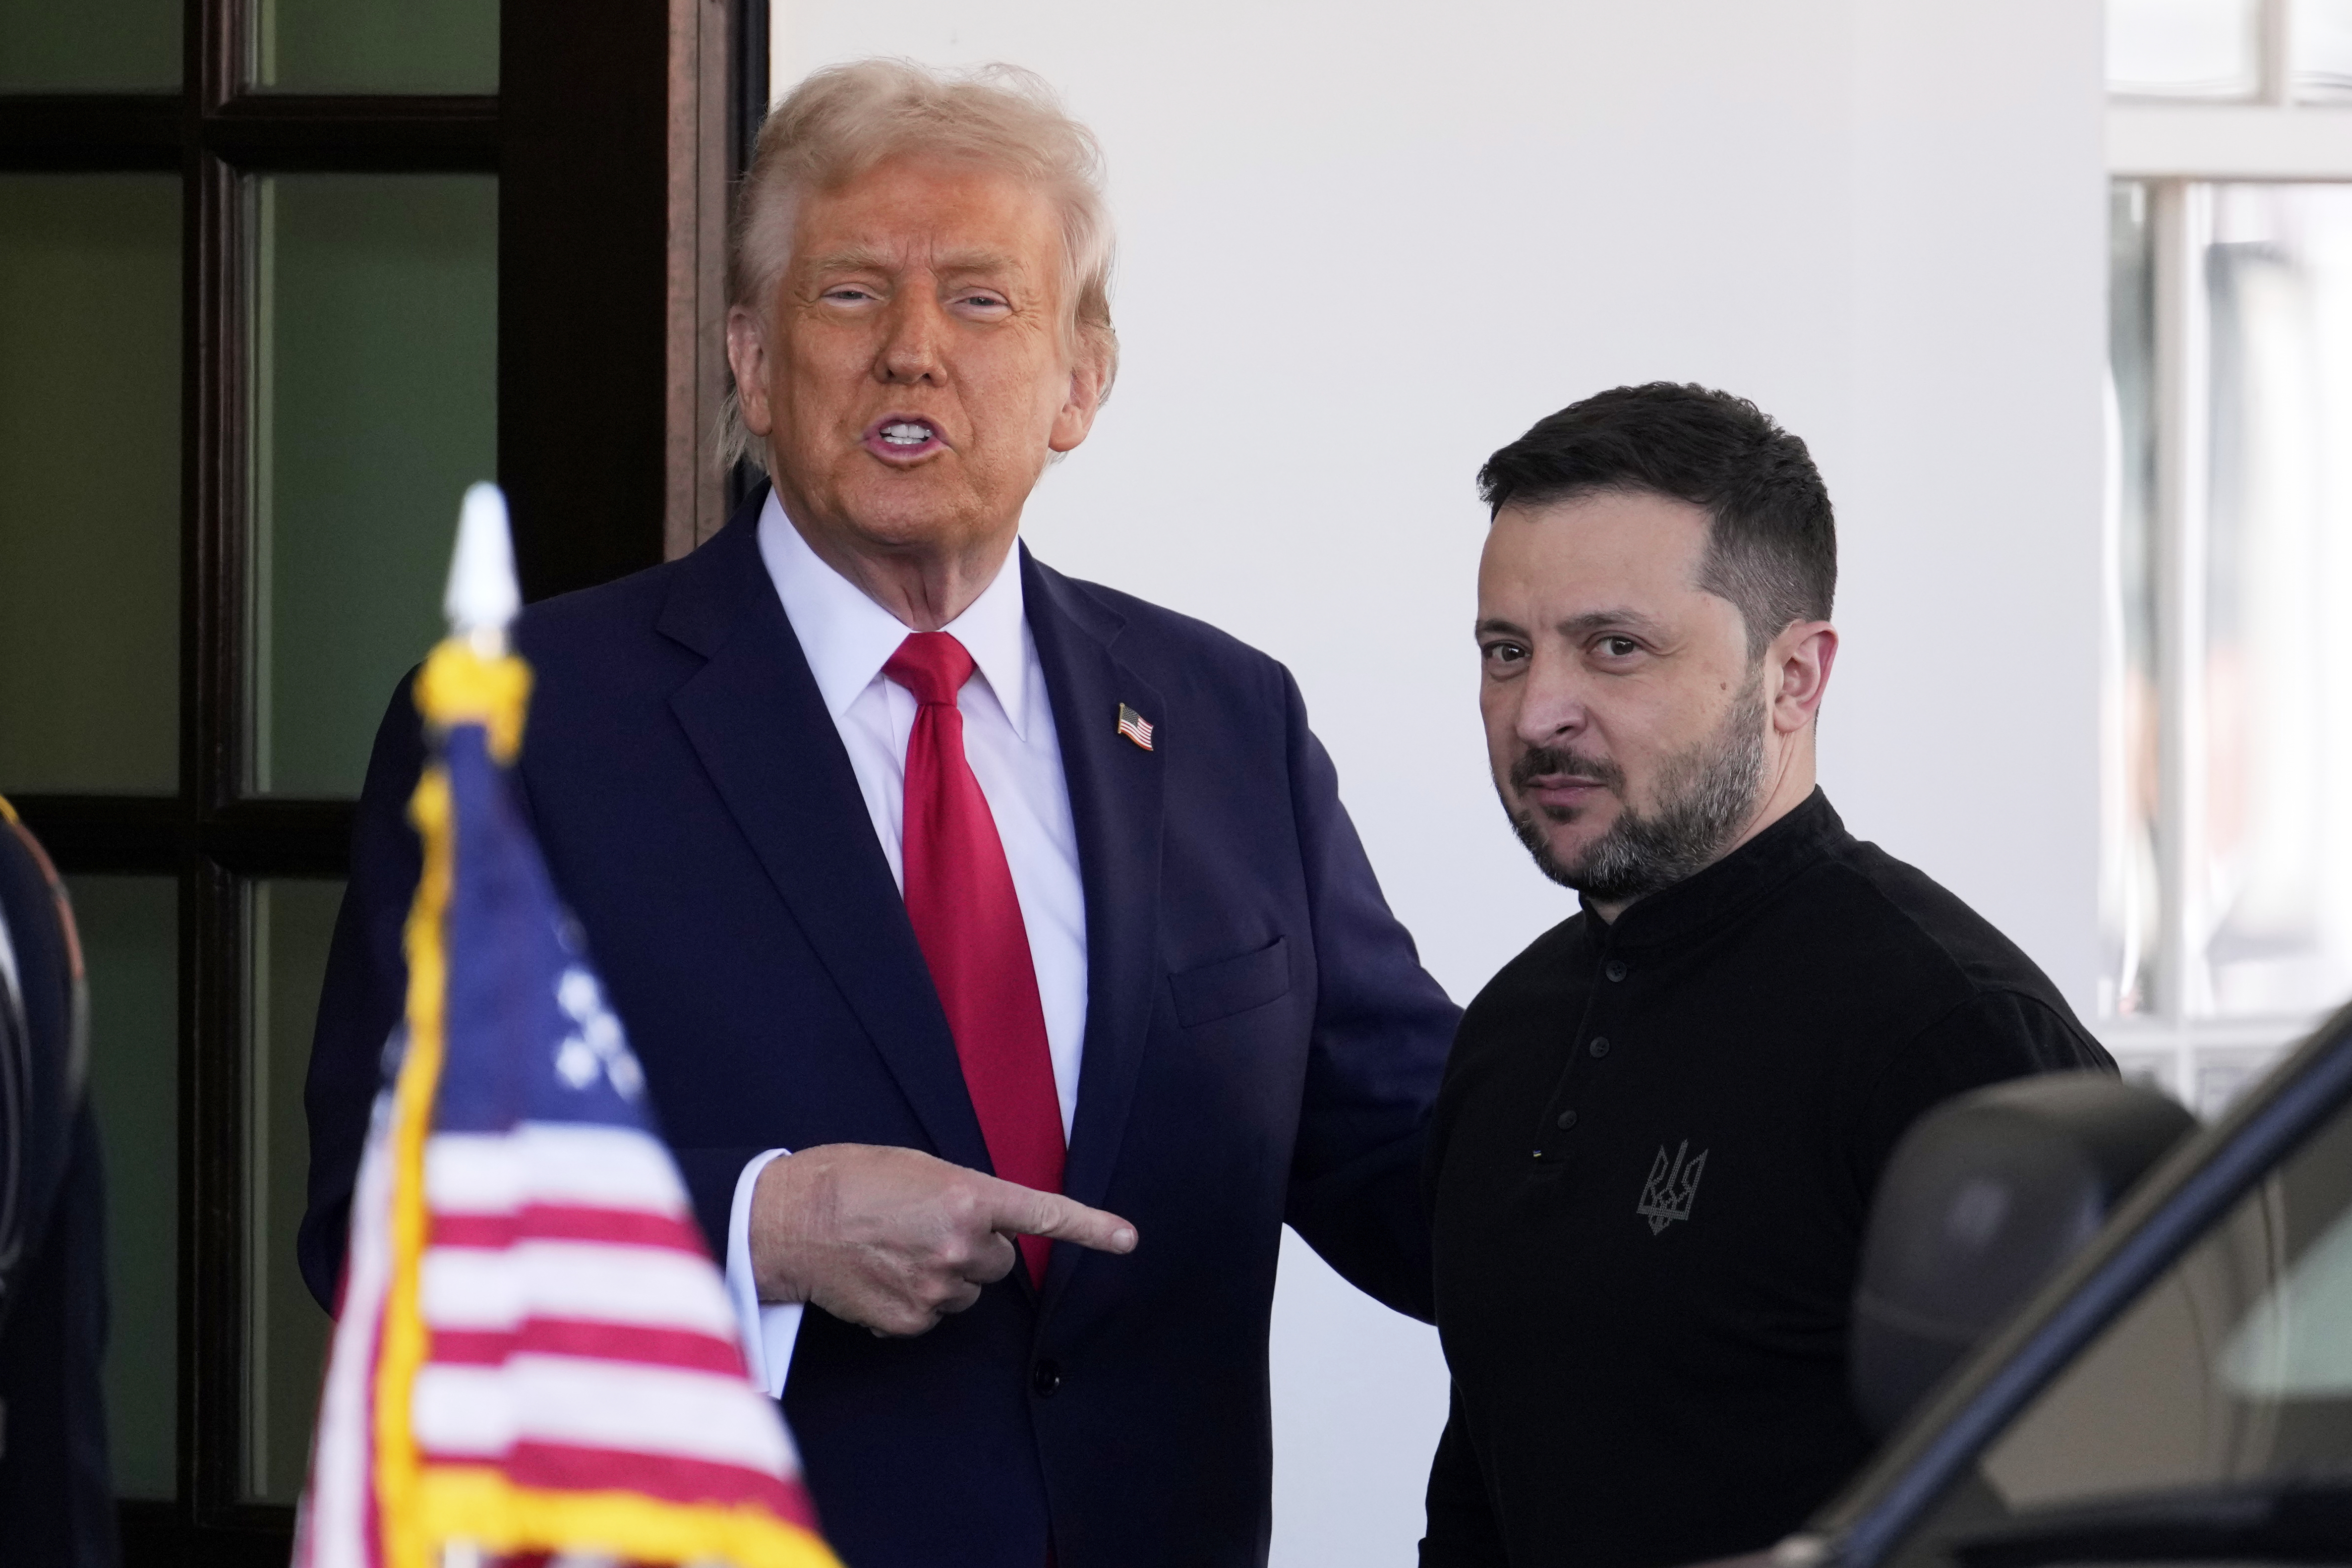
(1046, 1379)
(1567, 1120)
(1600, 1046)
(1614, 968)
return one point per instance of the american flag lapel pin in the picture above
(1135, 726)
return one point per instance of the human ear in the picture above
(1089, 385)
(747, 356)
(1799, 666)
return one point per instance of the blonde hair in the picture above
(842, 121)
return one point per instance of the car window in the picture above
(2232, 1370)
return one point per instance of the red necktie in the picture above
(968, 921)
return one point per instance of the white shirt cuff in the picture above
(768, 1328)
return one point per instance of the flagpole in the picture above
(481, 601)
(483, 597)
(469, 678)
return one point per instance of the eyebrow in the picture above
(977, 261)
(856, 258)
(860, 259)
(1578, 626)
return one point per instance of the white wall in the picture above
(1365, 243)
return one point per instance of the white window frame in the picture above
(2174, 146)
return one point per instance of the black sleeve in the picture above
(365, 990)
(1382, 1029)
(57, 1500)
(1462, 1529)
(1995, 1036)
(57, 1494)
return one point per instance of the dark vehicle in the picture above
(2179, 1391)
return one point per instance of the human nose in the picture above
(1551, 702)
(910, 348)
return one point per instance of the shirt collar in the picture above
(847, 637)
(1732, 884)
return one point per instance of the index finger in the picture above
(1025, 1211)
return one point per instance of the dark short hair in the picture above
(1772, 539)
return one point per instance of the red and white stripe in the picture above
(580, 1336)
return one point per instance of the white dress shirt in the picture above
(1010, 740)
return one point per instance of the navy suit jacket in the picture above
(1262, 1044)
(57, 1493)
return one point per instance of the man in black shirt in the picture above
(1660, 1124)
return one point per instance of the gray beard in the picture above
(1707, 795)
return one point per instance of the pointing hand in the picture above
(895, 1239)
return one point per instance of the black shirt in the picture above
(1649, 1170)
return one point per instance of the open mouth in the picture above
(900, 436)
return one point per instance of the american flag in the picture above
(1135, 726)
(534, 1353)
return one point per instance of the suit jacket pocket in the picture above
(1207, 992)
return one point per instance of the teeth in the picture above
(907, 434)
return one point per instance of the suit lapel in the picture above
(1116, 791)
(759, 725)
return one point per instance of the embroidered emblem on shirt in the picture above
(1668, 1195)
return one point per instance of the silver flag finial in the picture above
(483, 596)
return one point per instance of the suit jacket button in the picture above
(1615, 969)
(1046, 1379)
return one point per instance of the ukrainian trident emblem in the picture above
(1668, 1195)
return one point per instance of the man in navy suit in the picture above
(1004, 967)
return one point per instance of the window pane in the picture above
(130, 938)
(2130, 909)
(2322, 51)
(2183, 48)
(89, 482)
(375, 361)
(90, 45)
(290, 922)
(376, 45)
(2275, 666)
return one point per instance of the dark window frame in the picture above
(582, 105)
